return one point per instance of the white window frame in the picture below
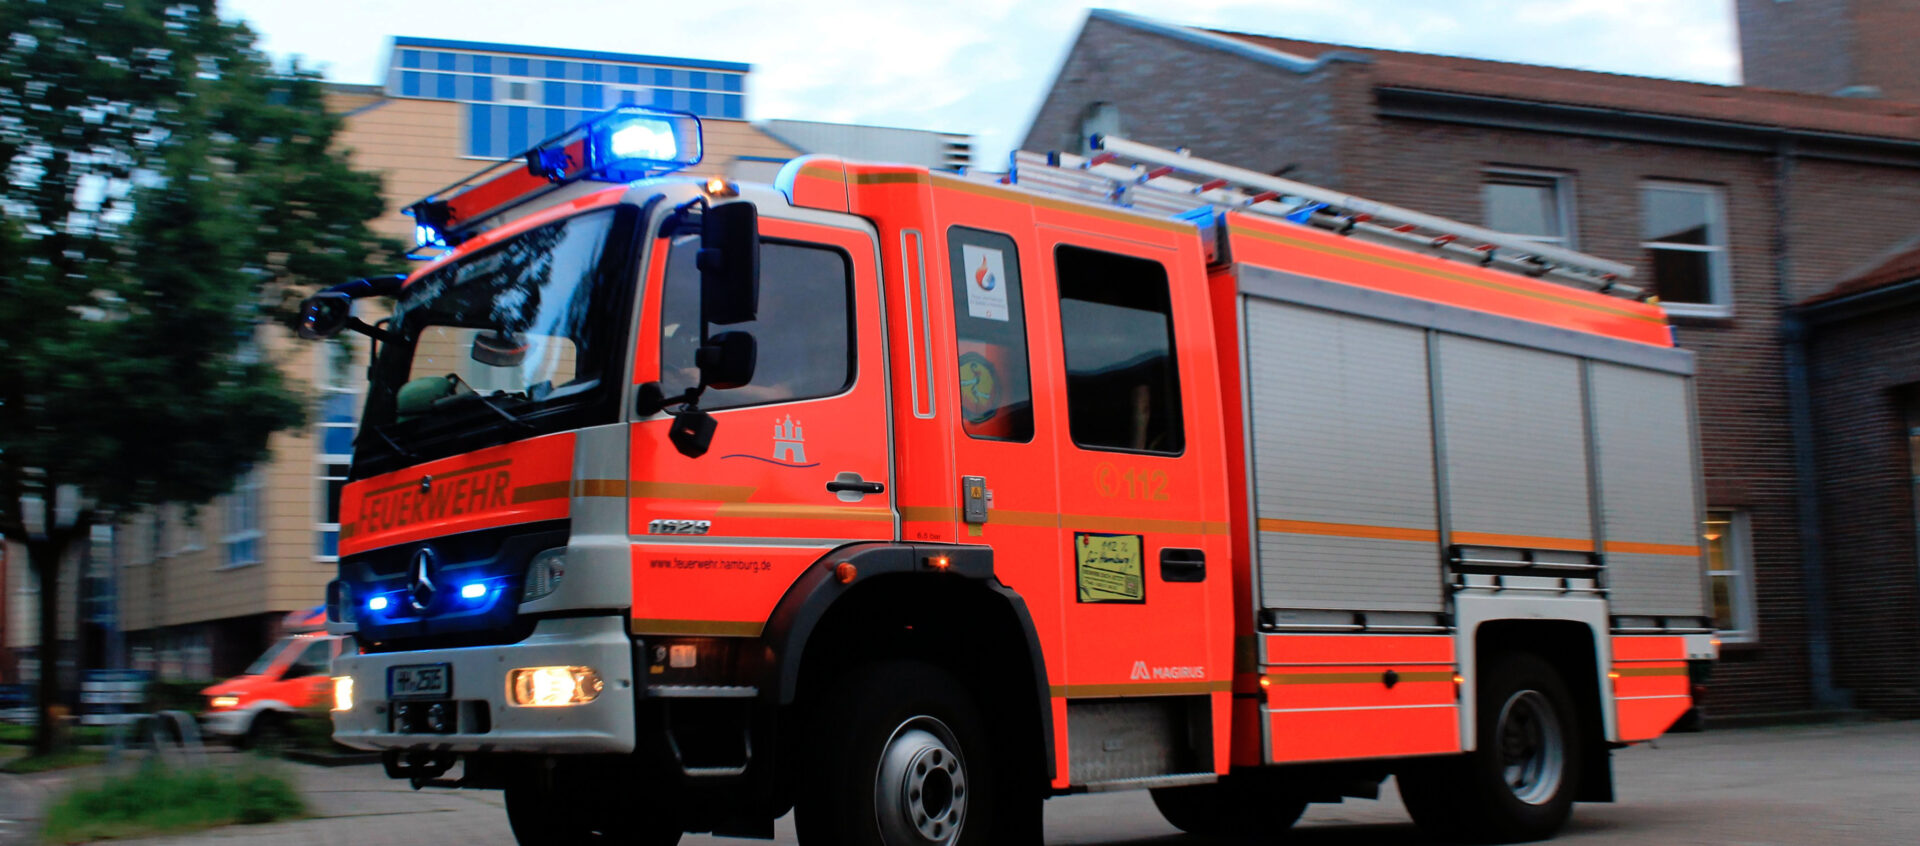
(1563, 187)
(250, 485)
(329, 387)
(1739, 573)
(1719, 264)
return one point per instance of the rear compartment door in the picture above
(1138, 557)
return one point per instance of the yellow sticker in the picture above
(1109, 568)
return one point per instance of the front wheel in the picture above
(901, 759)
(1520, 783)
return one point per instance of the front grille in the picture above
(476, 582)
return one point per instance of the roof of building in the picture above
(563, 53)
(1899, 266)
(1514, 81)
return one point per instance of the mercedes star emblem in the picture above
(420, 591)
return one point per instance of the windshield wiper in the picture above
(483, 399)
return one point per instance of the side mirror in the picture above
(727, 360)
(498, 349)
(729, 263)
(323, 315)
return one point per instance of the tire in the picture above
(1235, 808)
(557, 816)
(1520, 783)
(266, 733)
(901, 758)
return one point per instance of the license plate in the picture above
(420, 681)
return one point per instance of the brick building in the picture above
(1735, 203)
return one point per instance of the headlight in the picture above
(342, 693)
(224, 702)
(546, 687)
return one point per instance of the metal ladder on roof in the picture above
(1149, 179)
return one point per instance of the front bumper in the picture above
(604, 725)
(232, 722)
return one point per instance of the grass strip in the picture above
(159, 800)
(59, 760)
(83, 735)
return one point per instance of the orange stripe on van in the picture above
(1347, 530)
(1521, 541)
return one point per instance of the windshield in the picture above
(263, 663)
(491, 340)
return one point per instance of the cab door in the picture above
(799, 463)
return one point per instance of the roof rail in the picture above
(1150, 184)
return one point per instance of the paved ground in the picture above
(1826, 785)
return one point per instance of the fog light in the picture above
(342, 693)
(546, 687)
(544, 573)
(226, 702)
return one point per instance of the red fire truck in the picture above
(907, 500)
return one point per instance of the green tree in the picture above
(167, 185)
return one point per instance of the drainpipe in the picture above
(1793, 341)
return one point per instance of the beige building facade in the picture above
(199, 593)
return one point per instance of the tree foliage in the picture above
(166, 183)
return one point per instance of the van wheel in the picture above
(900, 758)
(1520, 783)
(556, 817)
(266, 733)
(1235, 807)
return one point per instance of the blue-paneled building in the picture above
(514, 95)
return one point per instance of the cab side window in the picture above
(804, 333)
(1116, 327)
(990, 329)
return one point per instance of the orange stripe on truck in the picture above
(1348, 530)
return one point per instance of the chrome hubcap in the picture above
(1533, 752)
(920, 791)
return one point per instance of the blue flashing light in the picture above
(378, 603)
(634, 142)
(643, 139)
(473, 591)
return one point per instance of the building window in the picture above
(243, 534)
(1535, 205)
(1730, 568)
(1116, 330)
(1683, 229)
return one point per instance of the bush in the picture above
(159, 800)
(177, 696)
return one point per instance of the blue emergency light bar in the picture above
(622, 144)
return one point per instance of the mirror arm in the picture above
(370, 330)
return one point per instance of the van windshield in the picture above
(262, 664)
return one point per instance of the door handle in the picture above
(1183, 565)
(851, 488)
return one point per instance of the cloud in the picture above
(981, 66)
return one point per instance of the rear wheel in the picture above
(1520, 783)
(901, 759)
(554, 816)
(1235, 807)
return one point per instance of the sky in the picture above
(980, 67)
